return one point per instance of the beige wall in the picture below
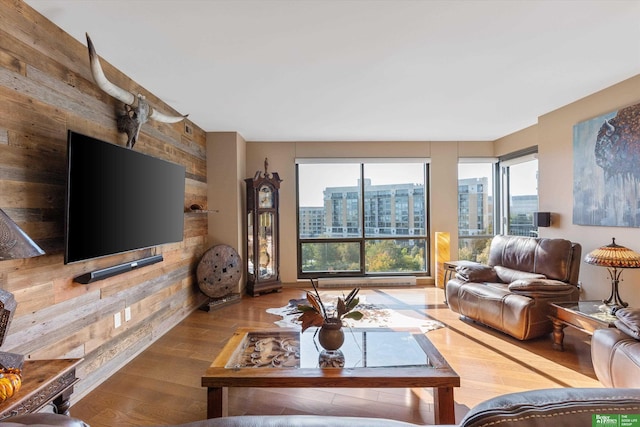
(554, 137)
(443, 191)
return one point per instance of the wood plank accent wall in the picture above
(46, 88)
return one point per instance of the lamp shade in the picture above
(14, 243)
(614, 256)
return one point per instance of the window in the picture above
(520, 189)
(476, 222)
(374, 217)
(514, 201)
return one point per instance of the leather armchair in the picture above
(42, 419)
(512, 291)
(567, 407)
(615, 352)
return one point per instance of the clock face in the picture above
(265, 197)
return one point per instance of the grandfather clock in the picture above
(263, 233)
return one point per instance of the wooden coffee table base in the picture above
(217, 402)
(444, 407)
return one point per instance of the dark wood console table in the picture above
(43, 382)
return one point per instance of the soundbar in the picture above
(103, 273)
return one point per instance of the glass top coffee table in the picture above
(586, 316)
(373, 358)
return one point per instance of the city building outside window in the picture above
(476, 222)
(488, 205)
(520, 202)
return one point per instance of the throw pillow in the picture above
(476, 272)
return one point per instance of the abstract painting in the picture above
(606, 169)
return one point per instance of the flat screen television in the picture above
(119, 200)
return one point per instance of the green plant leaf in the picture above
(352, 304)
(355, 315)
(351, 295)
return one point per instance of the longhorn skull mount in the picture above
(137, 109)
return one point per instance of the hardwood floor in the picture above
(162, 385)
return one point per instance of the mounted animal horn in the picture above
(137, 110)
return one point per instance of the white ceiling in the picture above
(349, 70)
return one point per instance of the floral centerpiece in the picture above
(317, 314)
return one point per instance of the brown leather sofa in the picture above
(512, 291)
(567, 407)
(615, 352)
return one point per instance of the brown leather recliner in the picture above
(615, 352)
(566, 407)
(511, 293)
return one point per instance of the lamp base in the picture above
(614, 299)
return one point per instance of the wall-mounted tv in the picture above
(119, 200)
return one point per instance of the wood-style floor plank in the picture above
(162, 385)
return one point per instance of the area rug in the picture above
(375, 316)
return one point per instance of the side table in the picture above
(43, 382)
(585, 316)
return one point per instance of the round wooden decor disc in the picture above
(219, 271)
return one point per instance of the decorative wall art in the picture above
(606, 169)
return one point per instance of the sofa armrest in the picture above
(565, 407)
(42, 419)
(629, 321)
(541, 288)
(476, 272)
(616, 358)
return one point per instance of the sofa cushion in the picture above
(629, 321)
(508, 275)
(476, 272)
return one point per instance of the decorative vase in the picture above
(331, 335)
(331, 338)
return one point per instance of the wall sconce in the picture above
(14, 244)
(542, 219)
